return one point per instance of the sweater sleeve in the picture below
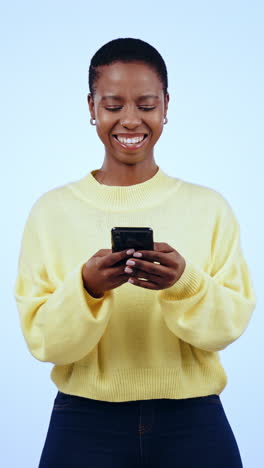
(61, 324)
(212, 310)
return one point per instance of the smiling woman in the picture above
(134, 335)
(128, 100)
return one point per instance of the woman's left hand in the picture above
(163, 275)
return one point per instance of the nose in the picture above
(130, 118)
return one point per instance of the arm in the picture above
(61, 322)
(211, 310)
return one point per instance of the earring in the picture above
(92, 121)
(165, 120)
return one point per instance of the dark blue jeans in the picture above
(159, 433)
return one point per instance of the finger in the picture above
(102, 252)
(148, 268)
(143, 284)
(142, 275)
(163, 247)
(116, 257)
(168, 259)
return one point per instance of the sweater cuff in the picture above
(90, 300)
(188, 284)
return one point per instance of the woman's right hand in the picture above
(100, 273)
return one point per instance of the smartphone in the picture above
(138, 238)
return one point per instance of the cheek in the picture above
(104, 124)
(104, 120)
(157, 123)
(103, 134)
(157, 118)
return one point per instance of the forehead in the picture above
(136, 77)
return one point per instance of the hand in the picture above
(163, 275)
(100, 273)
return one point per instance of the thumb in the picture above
(163, 247)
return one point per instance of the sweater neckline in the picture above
(116, 197)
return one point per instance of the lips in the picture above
(131, 141)
(130, 135)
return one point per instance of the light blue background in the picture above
(214, 56)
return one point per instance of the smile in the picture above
(133, 143)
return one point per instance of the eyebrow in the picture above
(119, 98)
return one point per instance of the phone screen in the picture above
(138, 238)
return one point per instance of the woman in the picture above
(133, 335)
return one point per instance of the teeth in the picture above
(130, 141)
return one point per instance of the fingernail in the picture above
(137, 254)
(130, 281)
(130, 262)
(130, 251)
(128, 270)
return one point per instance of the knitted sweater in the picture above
(133, 343)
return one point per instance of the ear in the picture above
(166, 103)
(91, 105)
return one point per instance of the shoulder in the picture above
(207, 198)
(48, 205)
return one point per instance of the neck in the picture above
(118, 174)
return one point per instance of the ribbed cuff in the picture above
(188, 284)
(90, 300)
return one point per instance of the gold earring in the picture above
(165, 120)
(92, 121)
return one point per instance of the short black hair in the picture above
(127, 50)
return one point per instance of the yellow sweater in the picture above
(133, 343)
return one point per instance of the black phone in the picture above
(138, 238)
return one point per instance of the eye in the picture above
(144, 108)
(113, 109)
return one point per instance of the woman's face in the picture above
(129, 107)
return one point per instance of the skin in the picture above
(123, 167)
(130, 81)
